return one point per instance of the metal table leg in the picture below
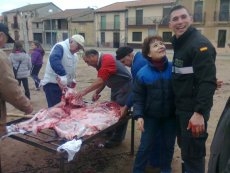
(132, 135)
(62, 164)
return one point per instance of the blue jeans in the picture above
(34, 74)
(53, 94)
(167, 127)
(154, 158)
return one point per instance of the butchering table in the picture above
(49, 141)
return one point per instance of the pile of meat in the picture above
(74, 118)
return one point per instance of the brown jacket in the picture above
(10, 91)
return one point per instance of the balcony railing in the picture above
(109, 26)
(15, 26)
(222, 16)
(133, 21)
(199, 17)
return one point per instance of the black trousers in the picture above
(25, 84)
(34, 74)
(193, 149)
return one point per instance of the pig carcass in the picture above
(74, 118)
(88, 120)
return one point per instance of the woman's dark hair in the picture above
(39, 46)
(146, 44)
(18, 47)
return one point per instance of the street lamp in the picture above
(51, 39)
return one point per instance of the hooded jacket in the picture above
(25, 66)
(37, 56)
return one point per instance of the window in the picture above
(165, 19)
(167, 36)
(38, 37)
(137, 36)
(5, 19)
(116, 39)
(198, 11)
(16, 35)
(102, 38)
(224, 10)
(64, 36)
(82, 34)
(103, 22)
(139, 17)
(116, 22)
(221, 38)
(15, 24)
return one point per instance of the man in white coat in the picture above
(61, 65)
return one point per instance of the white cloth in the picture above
(12, 130)
(71, 147)
(63, 80)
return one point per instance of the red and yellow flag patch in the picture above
(202, 49)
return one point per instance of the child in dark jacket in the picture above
(153, 105)
(37, 61)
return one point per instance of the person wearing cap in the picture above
(113, 74)
(61, 68)
(10, 91)
(135, 61)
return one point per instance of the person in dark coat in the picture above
(194, 84)
(219, 160)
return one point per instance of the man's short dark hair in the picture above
(177, 7)
(91, 52)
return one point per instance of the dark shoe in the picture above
(111, 144)
(37, 89)
(150, 169)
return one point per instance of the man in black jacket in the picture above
(219, 161)
(194, 84)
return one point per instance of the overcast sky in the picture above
(6, 5)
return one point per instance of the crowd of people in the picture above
(171, 101)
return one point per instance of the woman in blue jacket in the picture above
(153, 104)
